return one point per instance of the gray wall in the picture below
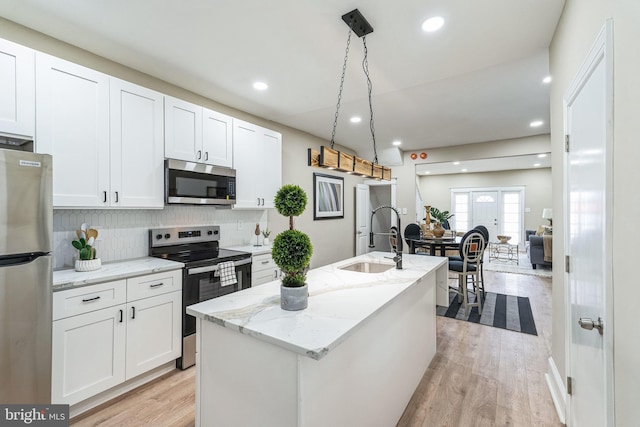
(436, 190)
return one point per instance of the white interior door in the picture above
(363, 217)
(485, 211)
(588, 124)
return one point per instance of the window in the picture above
(461, 209)
(485, 199)
(511, 206)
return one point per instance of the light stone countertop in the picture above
(339, 301)
(254, 250)
(67, 279)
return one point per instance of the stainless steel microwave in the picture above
(198, 184)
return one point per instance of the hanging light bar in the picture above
(330, 158)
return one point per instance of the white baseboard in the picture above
(107, 395)
(557, 389)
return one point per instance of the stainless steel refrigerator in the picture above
(26, 234)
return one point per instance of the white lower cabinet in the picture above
(96, 348)
(263, 270)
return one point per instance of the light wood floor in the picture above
(480, 376)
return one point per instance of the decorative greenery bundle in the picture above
(292, 249)
(84, 243)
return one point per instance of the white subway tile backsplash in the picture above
(123, 234)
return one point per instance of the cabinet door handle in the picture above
(199, 154)
(266, 261)
(262, 202)
(121, 315)
(206, 155)
(104, 193)
(156, 285)
(117, 198)
(91, 299)
(133, 312)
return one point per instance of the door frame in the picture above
(602, 50)
(500, 190)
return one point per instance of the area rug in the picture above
(523, 266)
(498, 310)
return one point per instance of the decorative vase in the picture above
(265, 241)
(88, 264)
(438, 231)
(294, 299)
(427, 214)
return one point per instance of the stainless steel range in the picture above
(198, 248)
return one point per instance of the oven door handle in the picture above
(210, 268)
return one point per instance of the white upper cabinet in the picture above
(72, 106)
(217, 138)
(197, 134)
(17, 89)
(105, 136)
(182, 130)
(257, 158)
(137, 146)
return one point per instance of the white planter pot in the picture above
(265, 241)
(88, 264)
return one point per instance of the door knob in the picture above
(588, 324)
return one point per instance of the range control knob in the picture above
(166, 236)
(158, 236)
(209, 232)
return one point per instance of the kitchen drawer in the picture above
(88, 298)
(262, 277)
(153, 284)
(262, 262)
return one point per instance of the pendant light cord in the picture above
(344, 69)
(365, 67)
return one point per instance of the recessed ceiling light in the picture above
(456, 163)
(547, 80)
(535, 165)
(464, 170)
(542, 155)
(536, 123)
(355, 119)
(433, 24)
(260, 86)
(397, 142)
(427, 172)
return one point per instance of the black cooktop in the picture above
(210, 256)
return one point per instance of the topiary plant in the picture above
(292, 249)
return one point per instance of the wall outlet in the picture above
(239, 225)
(527, 210)
(404, 211)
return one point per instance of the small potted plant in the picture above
(87, 260)
(265, 235)
(437, 218)
(292, 250)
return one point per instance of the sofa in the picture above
(535, 249)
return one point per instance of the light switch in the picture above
(527, 210)
(404, 211)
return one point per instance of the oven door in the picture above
(203, 283)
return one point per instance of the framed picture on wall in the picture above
(328, 196)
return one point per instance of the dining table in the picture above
(433, 244)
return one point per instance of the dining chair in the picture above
(467, 267)
(412, 232)
(393, 237)
(485, 233)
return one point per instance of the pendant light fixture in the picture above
(330, 158)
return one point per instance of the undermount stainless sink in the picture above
(367, 267)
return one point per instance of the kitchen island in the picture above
(354, 357)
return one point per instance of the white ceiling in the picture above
(478, 79)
